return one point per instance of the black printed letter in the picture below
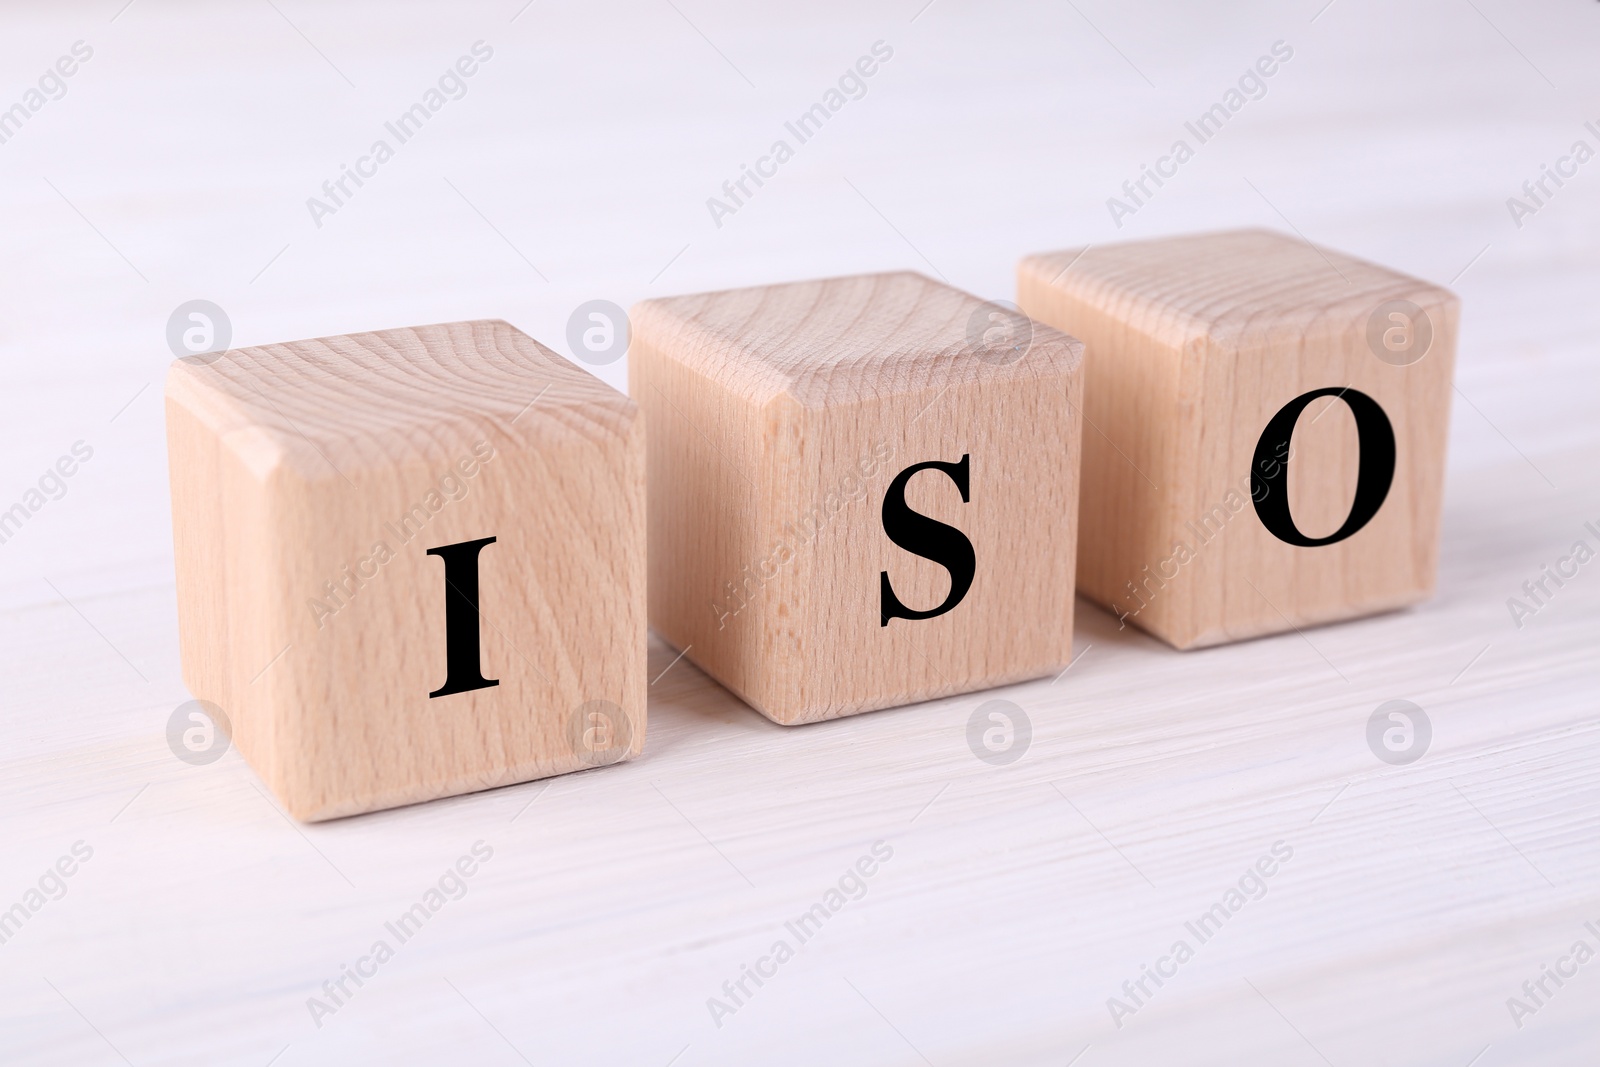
(461, 617)
(1373, 476)
(928, 538)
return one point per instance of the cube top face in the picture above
(333, 405)
(1237, 287)
(834, 339)
(1228, 374)
(853, 503)
(410, 563)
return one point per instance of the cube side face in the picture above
(1259, 583)
(1140, 401)
(1013, 445)
(381, 710)
(194, 469)
(1209, 570)
(705, 498)
(226, 562)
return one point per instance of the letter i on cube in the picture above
(863, 490)
(410, 563)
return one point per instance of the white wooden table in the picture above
(617, 902)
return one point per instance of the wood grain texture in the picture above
(1194, 344)
(309, 479)
(1019, 898)
(780, 417)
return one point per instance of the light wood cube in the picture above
(410, 563)
(1267, 429)
(863, 491)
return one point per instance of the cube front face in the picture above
(447, 597)
(1273, 421)
(824, 452)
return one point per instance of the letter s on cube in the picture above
(952, 571)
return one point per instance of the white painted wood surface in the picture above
(1018, 898)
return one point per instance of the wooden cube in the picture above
(1267, 420)
(410, 563)
(863, 491)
